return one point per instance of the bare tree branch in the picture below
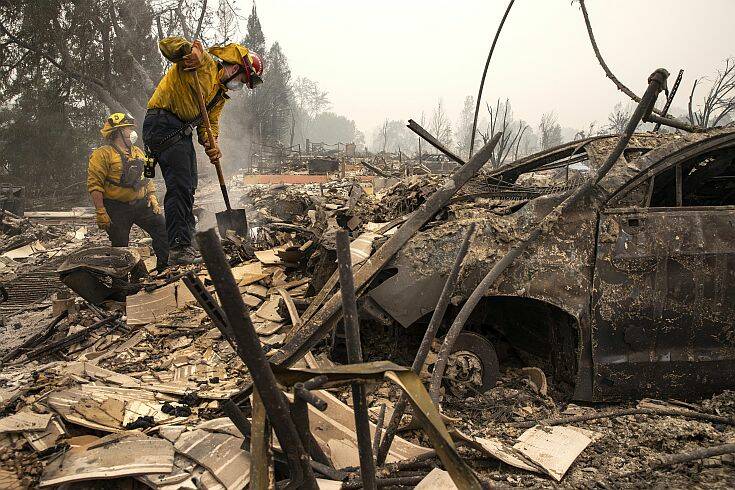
(182, 20)
(148, 84)
(604, 66)
(96, 85)
(198, 31)
(159, 27)
(719, 102)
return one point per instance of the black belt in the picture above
(129, 203)
(185, 131)
(160, 112)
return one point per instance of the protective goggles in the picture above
(251, 78)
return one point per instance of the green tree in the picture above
(64, 66)
(276, 96)
(255, 39)
(105, 48)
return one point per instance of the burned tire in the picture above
(472, 367)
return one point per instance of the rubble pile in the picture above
(406, 195)
(24, 244)
(157, 391)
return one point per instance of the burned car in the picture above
(631, 293)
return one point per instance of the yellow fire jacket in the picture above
(176, 92)
(105, 168)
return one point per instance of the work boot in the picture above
(182, 256)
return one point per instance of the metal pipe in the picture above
(354, 356)
(669, 99)
(674, 123)
(233, 412)
(429, 336)
(328, 471)
(484, 74)
(316, 383)
(300, 416)
(656, 83)
(250, 351)
(308, 397)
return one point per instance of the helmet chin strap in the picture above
(124, 141)
(239, 70)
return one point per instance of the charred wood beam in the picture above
(378, 429)
(401, 481)
(701, 453)
(250, 351)
(656, 83)
(420, 131)
(44, 334)
(354, 356)
(375, 169)
(663, 461)
(260, 446)
(210, 306)
(74, 338)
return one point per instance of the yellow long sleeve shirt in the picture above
(105, 168)
(176, 92)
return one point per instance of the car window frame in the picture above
(676, 158)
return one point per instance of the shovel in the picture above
(229, 219)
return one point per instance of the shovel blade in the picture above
(232, 219)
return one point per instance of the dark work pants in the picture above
(124, 215)
(179, 167)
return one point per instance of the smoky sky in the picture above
(394, 59)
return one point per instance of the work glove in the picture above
(212, 152)
(193, 60)
(153, 204)
(103, 219)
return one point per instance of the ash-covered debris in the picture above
(153, 376)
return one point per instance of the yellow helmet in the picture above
(237, 54)
(117, 121)
(232, 53)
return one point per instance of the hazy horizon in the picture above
(394, 60)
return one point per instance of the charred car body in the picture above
(631, 293)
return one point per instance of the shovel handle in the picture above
(210, 137)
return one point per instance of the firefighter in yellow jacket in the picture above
(173, 115)
(121, 194)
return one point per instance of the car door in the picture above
(663, 305)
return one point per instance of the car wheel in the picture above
(472, 366)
